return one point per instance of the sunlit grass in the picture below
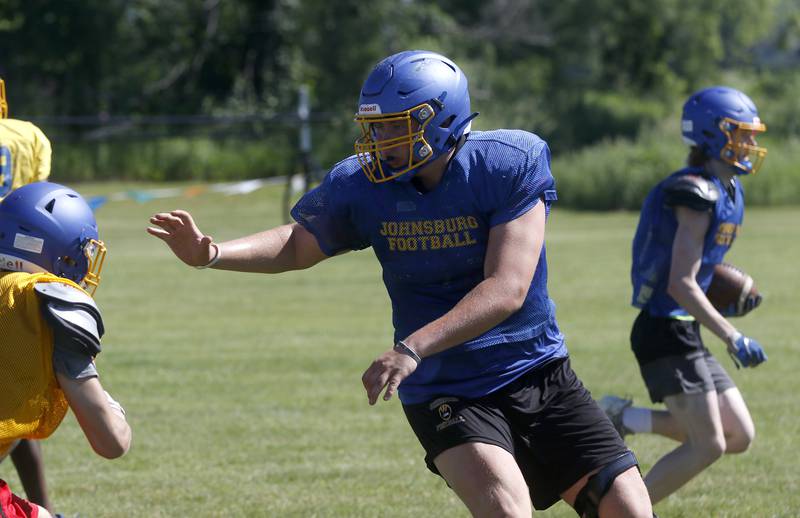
(244, 390)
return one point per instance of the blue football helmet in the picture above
(723, 123)
(3, 102)
(413, 108)
(47, 227)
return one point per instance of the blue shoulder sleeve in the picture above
(516, 194)
(326, 212)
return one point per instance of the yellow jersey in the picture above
(25, 155)
(32, 404)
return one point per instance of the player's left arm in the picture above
(100, 417)
(512, 255)
(77, 326)
(511, 258)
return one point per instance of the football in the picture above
(732, 291)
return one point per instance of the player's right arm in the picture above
(687, 254)
(280, 249)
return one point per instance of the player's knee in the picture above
(708, 450)
(627, 497)
(43, 513)
(616, 490)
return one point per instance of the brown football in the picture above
(730, 290)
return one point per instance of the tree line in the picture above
(574, 71)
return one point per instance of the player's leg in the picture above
(699, 417)
(565, 443)
(487, 479)
(625, 496)
(29, 462)
(737, 425)
(467, 442)
(13, 506)
(736, 421)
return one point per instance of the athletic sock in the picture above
(638, 420)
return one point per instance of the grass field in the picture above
(244, 391)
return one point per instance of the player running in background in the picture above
(25, 152)
(687, 224)
(456, 219)
(50, 262)
(25, 156)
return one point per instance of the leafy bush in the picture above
(173, 158)
(618, 174)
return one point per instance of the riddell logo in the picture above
(369, 108)
(11, 264)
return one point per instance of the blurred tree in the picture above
(575, 71)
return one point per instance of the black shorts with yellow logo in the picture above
(545, 418)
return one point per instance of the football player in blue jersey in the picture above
(456, 219)
(687, 224)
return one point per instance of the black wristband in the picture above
(402, 348)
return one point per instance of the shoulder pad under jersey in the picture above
(74, 317)
(692, 191)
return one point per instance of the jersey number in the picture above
(6, 168)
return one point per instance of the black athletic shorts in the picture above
(673, 359)
(546, 419)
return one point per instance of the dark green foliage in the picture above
(618, 174)
(580, 73)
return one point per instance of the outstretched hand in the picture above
(388, 370)
(747, 351)
(178, 230)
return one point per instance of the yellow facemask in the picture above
(370, 147)
(742, 151)
(96, 254)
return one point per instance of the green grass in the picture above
(244, 391)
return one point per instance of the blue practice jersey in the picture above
(432, 248)
(652, 245)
